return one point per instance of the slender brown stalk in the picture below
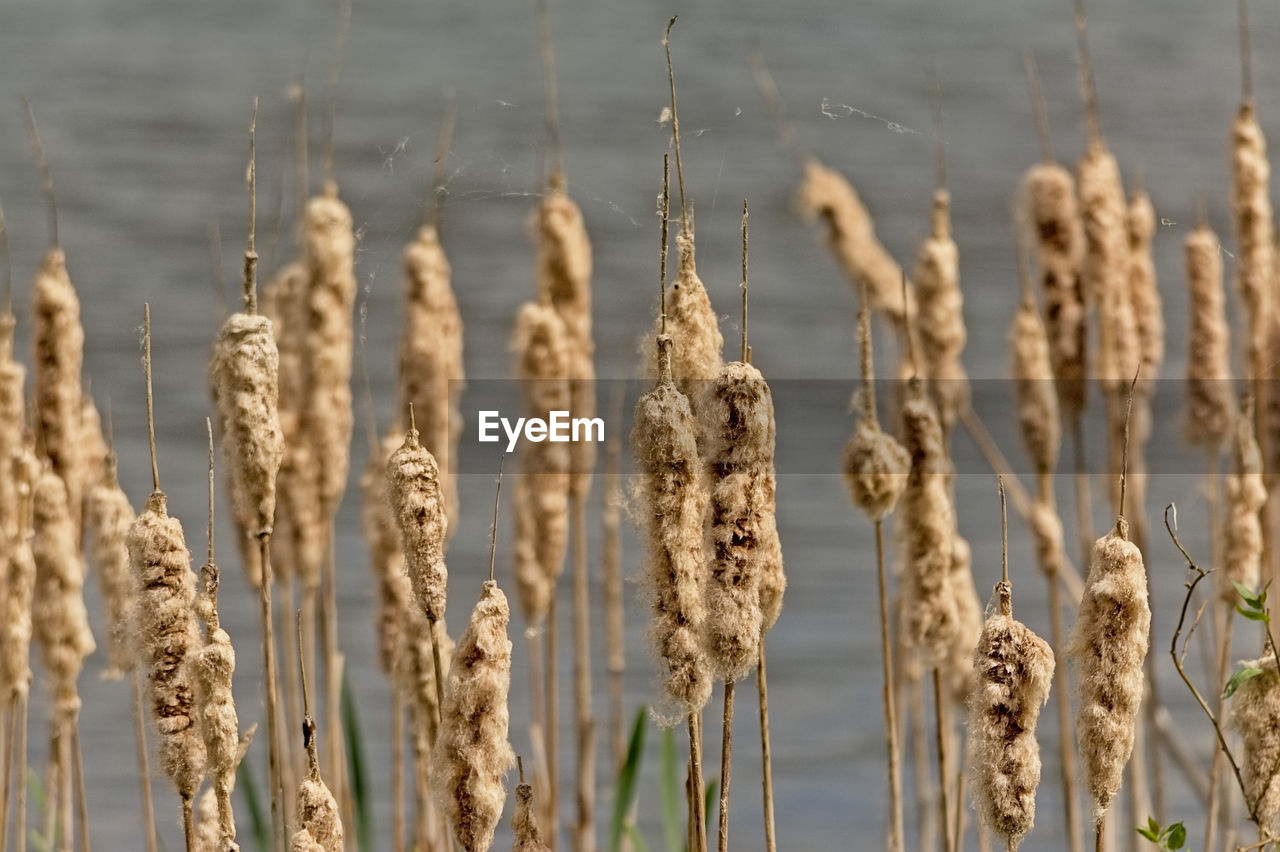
(766, 753)
(726, 760)
(20, 818)
(144, 769)
(697, 816)
(615, 645)
(585, 715)
(941, 726)
(397, 769)
(82, 800)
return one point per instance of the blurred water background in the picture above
(143, 106)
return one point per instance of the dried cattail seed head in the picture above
(245, 372)
(524, 823)
(385, 556)
(1107, 649)
(167, 638)
(1144, 294)
(472, 754)
(1105, 271)
(213, 667)
(1036, 399)
(875, 469)
(1209, 399)
(1014, 671)
(692, 325)
(413, 487)
(1246, 494)
(109, 516)
(431, 371)
(19, 584)
(672, 498)
(1255, 713)
(959, 665)
(1251, 208)
(940, 322)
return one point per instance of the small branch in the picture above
(675, 124)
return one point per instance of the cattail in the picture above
(1054, 215)
(1046, 530)
(524, 823)
(1105, 271)
(1014, 670)
(1107, 648)
(316, 807)
(827, 194)
(1209, 399)
(303, 841)
(1144, 295)
(213, 667)
(168, 637)
(693, 327)
(1036, 401)
(385, 556)
(108, 516)
(59, 356)
(298, 539)
(1255, 713)
(431, 371)
(1251, 204)
(93, 444)
(327, 344)
(931, 619)
(1246, 495)
(415, 664)
(542, 494)
(208, 836)
(737, 426)
(13, 377)
(875, 465)
(564, 278)
(413, 488)
(59, 615)
(472, 753)
(940, 325)
(673, 498)
(19, 584)
(959, 666)
(245, 373)
(773, 579)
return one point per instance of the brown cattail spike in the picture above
(316, 807)
(1254, 711)
(413, 483)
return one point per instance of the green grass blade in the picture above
(357, 775)
(259, 822)
(713, 789)
(673, 798)
(626, 786)
(637, 841)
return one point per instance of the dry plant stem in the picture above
(333, 671)
(726, 760)
(766, 753)
(397, 770)
(586, 831)
(1200, 574)
(614, 636)
(144, 769)
(552, 707)
(944, 798)
(1084, 509)
(20, 818)
(1066, 749)
(895, 840)
(697, 815)
(9, 718)
(1222, 624)
(274, 733)
(82, 804)
(292, 760)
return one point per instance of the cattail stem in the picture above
(552, 707)
(188, 824)
(397, 769)
(274, 732)
(582, 677)
(890, 710)
(697, 816)
(82, 803)
(439, 670)
(20, 818)
(675, 126)
(944, 797)
(144, 769)
(766, 753)
(726, 760)
(1222, 623)
(10, 719)
(292, 761)
(1066, 749)
(333, 672)
(614, 636)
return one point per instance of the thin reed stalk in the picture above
(766, 752)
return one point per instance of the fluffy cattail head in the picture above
(109, 517)
(19, 582)
(692, 325)
(1036, 399)
(245, 372)
(959, 665)
(1140, 221)
(386, 558)
(167, 638)
(1014, 671)
(1251, 208)
(875, 469)
(1108, 647)
(928, 523)
(564, 262)
(413, 487)
(737, 428)
(1255, 713)
(1246, 495)
(472, 754)
(1209, 399)
(524, 823)
(940, 325)
(672, 501)
(61, 622)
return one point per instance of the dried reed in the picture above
(109, 516)
(1252, 214)
(1209, 399)
(1254, 713)
(1035, 399)
(1246, 495)
(524, 822)
(1144, 295)
(940, 323)
(414, 492)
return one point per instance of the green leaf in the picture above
(625, 787)
(637, 841)
(356, 771)
(1153, 836)
(674, 803)
(1153, 827)
(1176, 836)
(1252, 614)
(259, 822)
(1245, 673)
(713, 790)
(1252, 598)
